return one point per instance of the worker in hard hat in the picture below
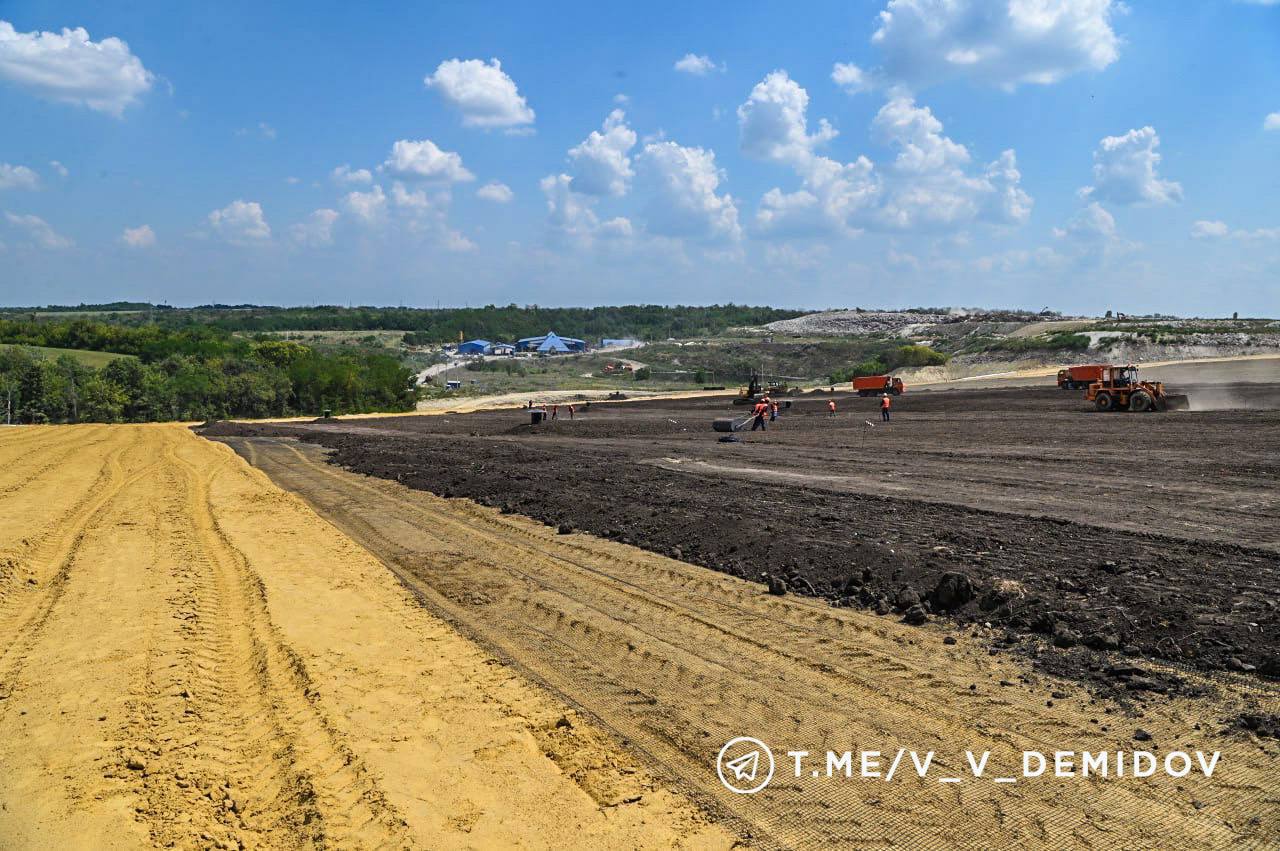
(759, 410)
(773, 410)
(884, 406)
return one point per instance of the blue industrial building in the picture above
(484, 347)
(551, 343)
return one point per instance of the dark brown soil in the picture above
(1094, 539)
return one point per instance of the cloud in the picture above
(601, 162)
(1091, 237)
(1010, 204)
(997, 43)
(41, 234)
(699, 66)
(772, 124)
(59, 168)
(482, 92)
(140, 237)
(682, 182)
(1203, 229)
(316, 230)
(70, 68)
(18, 177)
(368, 207)
(1213, 230)
(1092, 225)
(1272, 121)
(423, 160)
(345, 175)
(241, 223)
(851, 78)
(929, 184)
(621, 100)
(263, 129)
(569, 215)
(499, 193)
(404, 199)
(1124, 171)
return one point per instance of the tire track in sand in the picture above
(224, 691)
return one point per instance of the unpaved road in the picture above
(191, 658)
(676, 660)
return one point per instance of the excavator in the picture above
(1119, 389)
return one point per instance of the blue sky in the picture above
(847, 154)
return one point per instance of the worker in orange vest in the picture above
(773, 410)
(884, 407)
(831, 407)
(759, 410)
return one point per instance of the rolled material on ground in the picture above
(729, 423)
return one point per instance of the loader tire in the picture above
(1140, 402)
(1104, 401)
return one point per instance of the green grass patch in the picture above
(95, 360)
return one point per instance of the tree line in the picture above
(492, 322)
(188, 374)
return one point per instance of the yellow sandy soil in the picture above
(190, 657)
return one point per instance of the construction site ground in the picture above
(192, 658)
(1123, 572)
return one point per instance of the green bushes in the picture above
(890, 358)
(1056, 341)
(192, 374)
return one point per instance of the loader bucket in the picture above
(1175, 402)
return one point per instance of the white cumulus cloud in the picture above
(241, 223)
(851, 78)
(369, 207)
(684, 202)
(998, 42)
(38, 231)
(930, 183)
(485, 95)
(772, 123)
(345, 175)
(69, 67)
(1124, 171)
(1213, 230)
(499, 193)
(601, 162)
(140, 237)
(1204, 229)
(316, 230)
(1271, 122)
(1091, 226)
(18, 177)
(697, 65)
(58, 167)
(423, 160)
(569, 214)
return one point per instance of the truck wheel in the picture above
(1139, 402)
(1103, 401)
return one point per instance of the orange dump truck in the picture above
(1075, 377)
(874, 385)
